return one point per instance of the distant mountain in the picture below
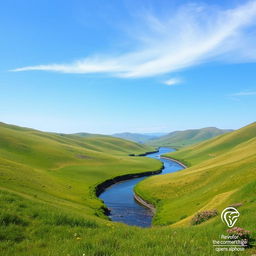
(85, 134)
(180, 139)
(137, 137)
(156, 134)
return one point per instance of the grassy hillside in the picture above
(180, 139)
(63, 169)
(218, 146)
(48, 208)
(221, 170)
(29, 227)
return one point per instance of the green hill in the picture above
(180, 139)
(222, 172)
(61, 168)
(48, 206)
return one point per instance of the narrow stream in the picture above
(119, 197)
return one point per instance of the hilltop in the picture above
(222, 171)
(178, 139)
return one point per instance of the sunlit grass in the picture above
(48, 206)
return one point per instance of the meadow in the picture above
(222, 172)
(48, 204)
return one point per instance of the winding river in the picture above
(120, 200)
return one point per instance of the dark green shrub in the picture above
(8, 219)
(12, 233)
(183, 217)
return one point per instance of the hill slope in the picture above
(222, 169)
(179, 139)
(48, 208)
(63, 168)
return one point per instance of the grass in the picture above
(222, 172)
(48, 208)
(64, 169)
(51, 231)
(219, 146)
(179, 139)
(219, 168)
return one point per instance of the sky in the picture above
(127, 65)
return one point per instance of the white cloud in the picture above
(244, 94)
(172, 81)
(193, 35)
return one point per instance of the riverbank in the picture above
(122, 197)
(100, 188)
(144, 203)
(175, 160)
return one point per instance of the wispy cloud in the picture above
(172, 81)
(193, 35)
(243, 94)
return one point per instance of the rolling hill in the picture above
(222, 173)
(48, 205)
(63, 169)
(178, 139)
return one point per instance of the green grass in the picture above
(34, 228)
(218, 146)
(64, 169)
(179, 139)
(222, 172)
(48, 206)
(220, 168)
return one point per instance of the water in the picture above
(119, 197)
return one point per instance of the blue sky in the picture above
(138, 66)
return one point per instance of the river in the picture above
(119, 197)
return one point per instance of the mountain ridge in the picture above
(178, 139)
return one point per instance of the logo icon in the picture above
(229, 216)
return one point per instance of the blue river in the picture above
(121, 203)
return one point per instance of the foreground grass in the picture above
(32, 228)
